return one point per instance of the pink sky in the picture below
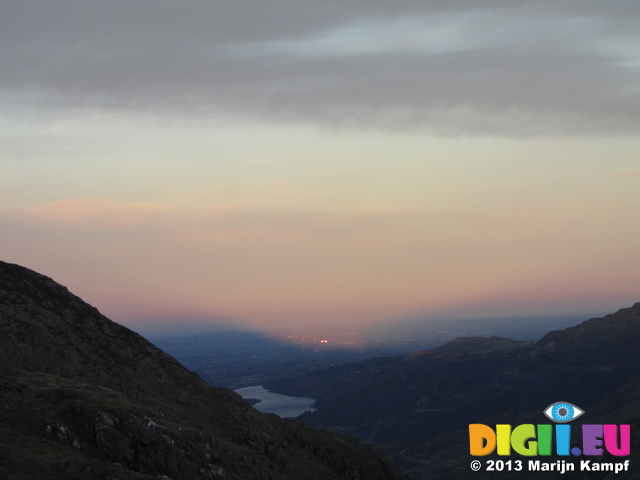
(355, 165)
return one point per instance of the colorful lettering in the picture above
(620, 448)
(482, 440)
(530, 440)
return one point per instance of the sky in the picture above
(308, 165)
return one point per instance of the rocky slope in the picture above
(82, 397)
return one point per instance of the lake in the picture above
(282, 405)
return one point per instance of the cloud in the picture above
(97, 213)
(632, 174)
(444, 67)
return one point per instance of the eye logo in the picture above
(563, 412)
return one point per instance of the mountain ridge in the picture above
(83, 397)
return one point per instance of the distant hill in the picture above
(409, 335)
(82, 397)
(474, 345)
(417, 407)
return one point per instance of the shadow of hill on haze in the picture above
(240, 358)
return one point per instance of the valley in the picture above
(416, 406)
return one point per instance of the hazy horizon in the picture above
(371, 332)
(280, 164)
